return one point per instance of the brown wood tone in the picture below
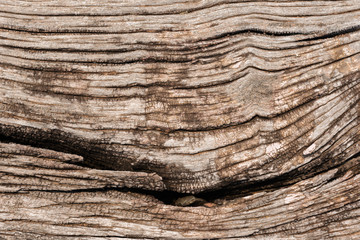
(112, 111)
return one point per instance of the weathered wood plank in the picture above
(184, 96)
(200, 103)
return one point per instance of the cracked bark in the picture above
(111, 111)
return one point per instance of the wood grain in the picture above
(201, 97)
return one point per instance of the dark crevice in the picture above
(255, 31)
(333, 34)
(151, 46)
(167, 197)
(116, 61)
(69, 31)
(96, 155)
(239, 189)
(218, 36)
(229, 191)
(232, 191)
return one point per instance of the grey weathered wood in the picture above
(119, 100)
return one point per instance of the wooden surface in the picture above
(111, 110)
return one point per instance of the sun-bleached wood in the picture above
(119, 100)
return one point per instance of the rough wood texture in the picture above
(253, 105)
